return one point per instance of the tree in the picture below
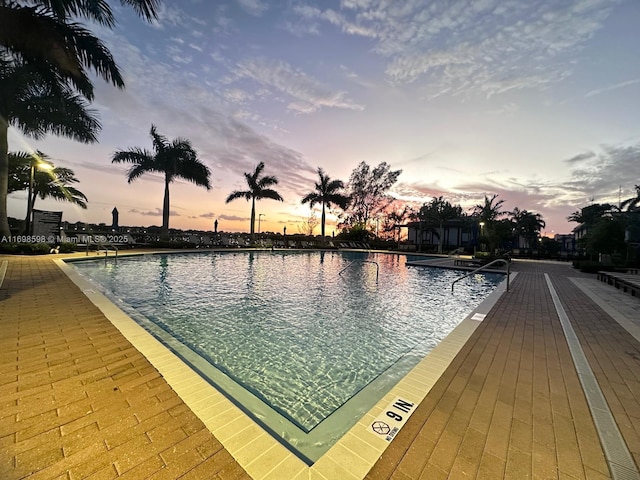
(527, 225)
(45, 32)
(175, 159)
(258, 189)
(307, 226)
(439, 211)
(54, 183)
(368, 190)
(327, 193)
(591, 214)
(488, 214)
(36, 101)
(606, 236)
(393, 219)
(45, 87)
(633, 203)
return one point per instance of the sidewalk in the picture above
(78, 401)
(511, 404)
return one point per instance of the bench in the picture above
(628, 283)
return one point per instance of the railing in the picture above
(493, 262)
(363, 261)
(103, 246)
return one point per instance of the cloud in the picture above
(306, 94)
(153, 213)
(458, 47)
(208, 118)
(581, 157)
(253, 7)
(605, 176)
(600, 91)
(234, 218)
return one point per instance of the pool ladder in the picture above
(363, 261)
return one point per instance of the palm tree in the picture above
(258, 189)
(527, 225)
(439, 211)
(633, 203)
(54, 183)
(175, 159)
(488, 214)
(44, 84)
(45, 32)
(327, 194)
(36, 101)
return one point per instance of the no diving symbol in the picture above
(380, 428)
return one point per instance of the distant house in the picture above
(567, 243)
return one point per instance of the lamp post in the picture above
(259, 217)
(30, 195)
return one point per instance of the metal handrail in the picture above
(106, 250)
(482, 268)
(363, 261)
(102, 246)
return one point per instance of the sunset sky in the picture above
(538, 102)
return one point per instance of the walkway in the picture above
(78, 401)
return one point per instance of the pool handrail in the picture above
(482, 267)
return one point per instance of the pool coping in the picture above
(262, 456)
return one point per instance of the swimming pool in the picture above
(304, 342)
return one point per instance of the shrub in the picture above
(590, 266)
(25, 248)
(68, 247)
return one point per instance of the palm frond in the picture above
(268, 193)
(160, 142)
(147, 9)
(195, 172)
(95, 10)
(338, 199)
(238, 194)
(93, 53)
(135, 155)
(267, 181)
(54, 109)
(311, 198)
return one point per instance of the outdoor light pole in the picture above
(259, 217)
(31, 193)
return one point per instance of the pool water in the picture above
(302, 332)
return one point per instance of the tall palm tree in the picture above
(326, 193)
(488, 213)
(35, 101)
(175, 159)
(258, 189)
(439, 211)
(527, 225)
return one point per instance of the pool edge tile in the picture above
(325, 468)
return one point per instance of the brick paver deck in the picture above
(78, 401)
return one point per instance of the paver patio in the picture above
(77, 400)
